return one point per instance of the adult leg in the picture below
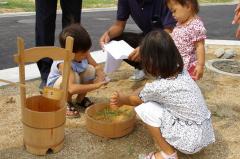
(45, 32)
(157, 136)
(72, 10)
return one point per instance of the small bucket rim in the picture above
(133, 117)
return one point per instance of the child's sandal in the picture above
(86, 102)
(72, 112)
(151, 155)
(172, 156)
(163, 155)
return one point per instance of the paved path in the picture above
(217, 19)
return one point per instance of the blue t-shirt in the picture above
(55, 72)
(150, 15)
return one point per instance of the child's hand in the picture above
(115, 100)
(100, 84)
(198, 72)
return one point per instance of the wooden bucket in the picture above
(106, 129)
(52, 93)
(43, 125)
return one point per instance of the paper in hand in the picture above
(116, 51)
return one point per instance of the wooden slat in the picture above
(20, 43)
(12, 83)
(67, 61)
(36, 53)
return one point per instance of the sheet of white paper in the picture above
(111, 64)
(118, 49)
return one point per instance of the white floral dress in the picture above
(178, 108)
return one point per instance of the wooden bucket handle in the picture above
(13, 83)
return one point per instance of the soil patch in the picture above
(222, 94)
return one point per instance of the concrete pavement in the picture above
(217, 20)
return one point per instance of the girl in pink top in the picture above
(189, 35)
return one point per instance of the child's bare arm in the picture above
(200, 50)
(100, 75)
(91, 61)
(74, 88)
(118, 99)
(168, 29)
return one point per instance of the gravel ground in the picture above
(222, 94)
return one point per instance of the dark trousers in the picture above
(134, 40)
(45, 25)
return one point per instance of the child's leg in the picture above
(78, 80)
(58, 85)
(152, 114)
(80, 97)
(157, 136)
(86, 77)
(71, 111)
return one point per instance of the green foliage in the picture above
(99, 3)
(214, 1)
(28, 5)
(24, 5)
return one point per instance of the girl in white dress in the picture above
(172, 105)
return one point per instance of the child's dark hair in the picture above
(82, 41)
(193, 3)
(159, 55)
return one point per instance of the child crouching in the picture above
(172, 105)
(85, 74)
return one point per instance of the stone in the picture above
(219, 52)
(229, 53)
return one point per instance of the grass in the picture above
(28, 5)
(16, 5)
(99, 3)
(214, 1)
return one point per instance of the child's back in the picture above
(171, 106)
(181, 112)
(181, 96)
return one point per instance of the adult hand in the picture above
(238, 32)
(236, 20)
(105, 38)
(135, 55)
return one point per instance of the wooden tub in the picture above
(43, 125)
(108, 129)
